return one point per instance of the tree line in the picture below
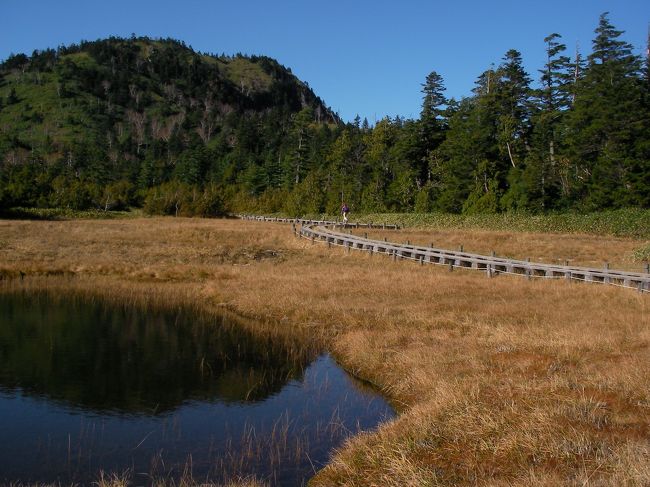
(136, 122)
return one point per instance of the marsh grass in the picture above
(500, 381)
(576, 250)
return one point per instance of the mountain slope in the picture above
(137, 110)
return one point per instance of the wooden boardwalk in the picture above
(332, 223)
(326, 231)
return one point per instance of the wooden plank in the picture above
(491, 264)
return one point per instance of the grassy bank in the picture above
(621, 223)
(500, 381)
(64, 214)
(633, 223)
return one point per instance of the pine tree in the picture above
(488, 139)
(606, 121)
(513, 99)
(469, 143)
(540, 182)
(300, 137)
(433, 102)
(555, 77)
(433, 124)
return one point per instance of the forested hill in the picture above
(132, 114)
(137, 122)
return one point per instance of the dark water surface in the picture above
(85, 387)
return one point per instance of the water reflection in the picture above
(121, 359)
(85, 387)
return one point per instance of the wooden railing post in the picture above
(302, 228)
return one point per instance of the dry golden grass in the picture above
(579, 250)
(499, 381)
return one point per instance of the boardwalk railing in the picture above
(317, 230)
(492, 265)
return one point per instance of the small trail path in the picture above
(327, 232)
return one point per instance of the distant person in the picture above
(345, 210)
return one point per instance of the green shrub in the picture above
(181, 199)
(621, 223)
(642, 254)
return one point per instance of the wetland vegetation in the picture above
(87, 388)
(498, 381)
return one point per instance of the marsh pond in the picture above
(86, 387)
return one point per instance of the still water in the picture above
(85, 387)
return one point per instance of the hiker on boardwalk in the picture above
(344, 211)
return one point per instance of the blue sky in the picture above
(361, 56)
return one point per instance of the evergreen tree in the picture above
(191, 133)
(433, 104)
(433, 124)
(605, 123)
(513, 102)
(554, 95)
(296, 164)
(539, 181)
(469, 143)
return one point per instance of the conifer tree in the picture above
(606, 119)
(539, 180)
(513, 99)
(433, 124)
(300, 137)
(469, 143)
(433, 103)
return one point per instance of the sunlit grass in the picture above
(582, 250)
(500, 381)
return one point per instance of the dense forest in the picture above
(120, 123)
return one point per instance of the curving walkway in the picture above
(325, 231)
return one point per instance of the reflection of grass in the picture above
(125, 479)
(282, 448)
(503, 381)
(286, 446)
(203, 357)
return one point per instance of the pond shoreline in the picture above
(309, 368)
(502, 380)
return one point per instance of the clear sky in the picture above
(366, 57)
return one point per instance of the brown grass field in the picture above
(578, 250)
(500, 381)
